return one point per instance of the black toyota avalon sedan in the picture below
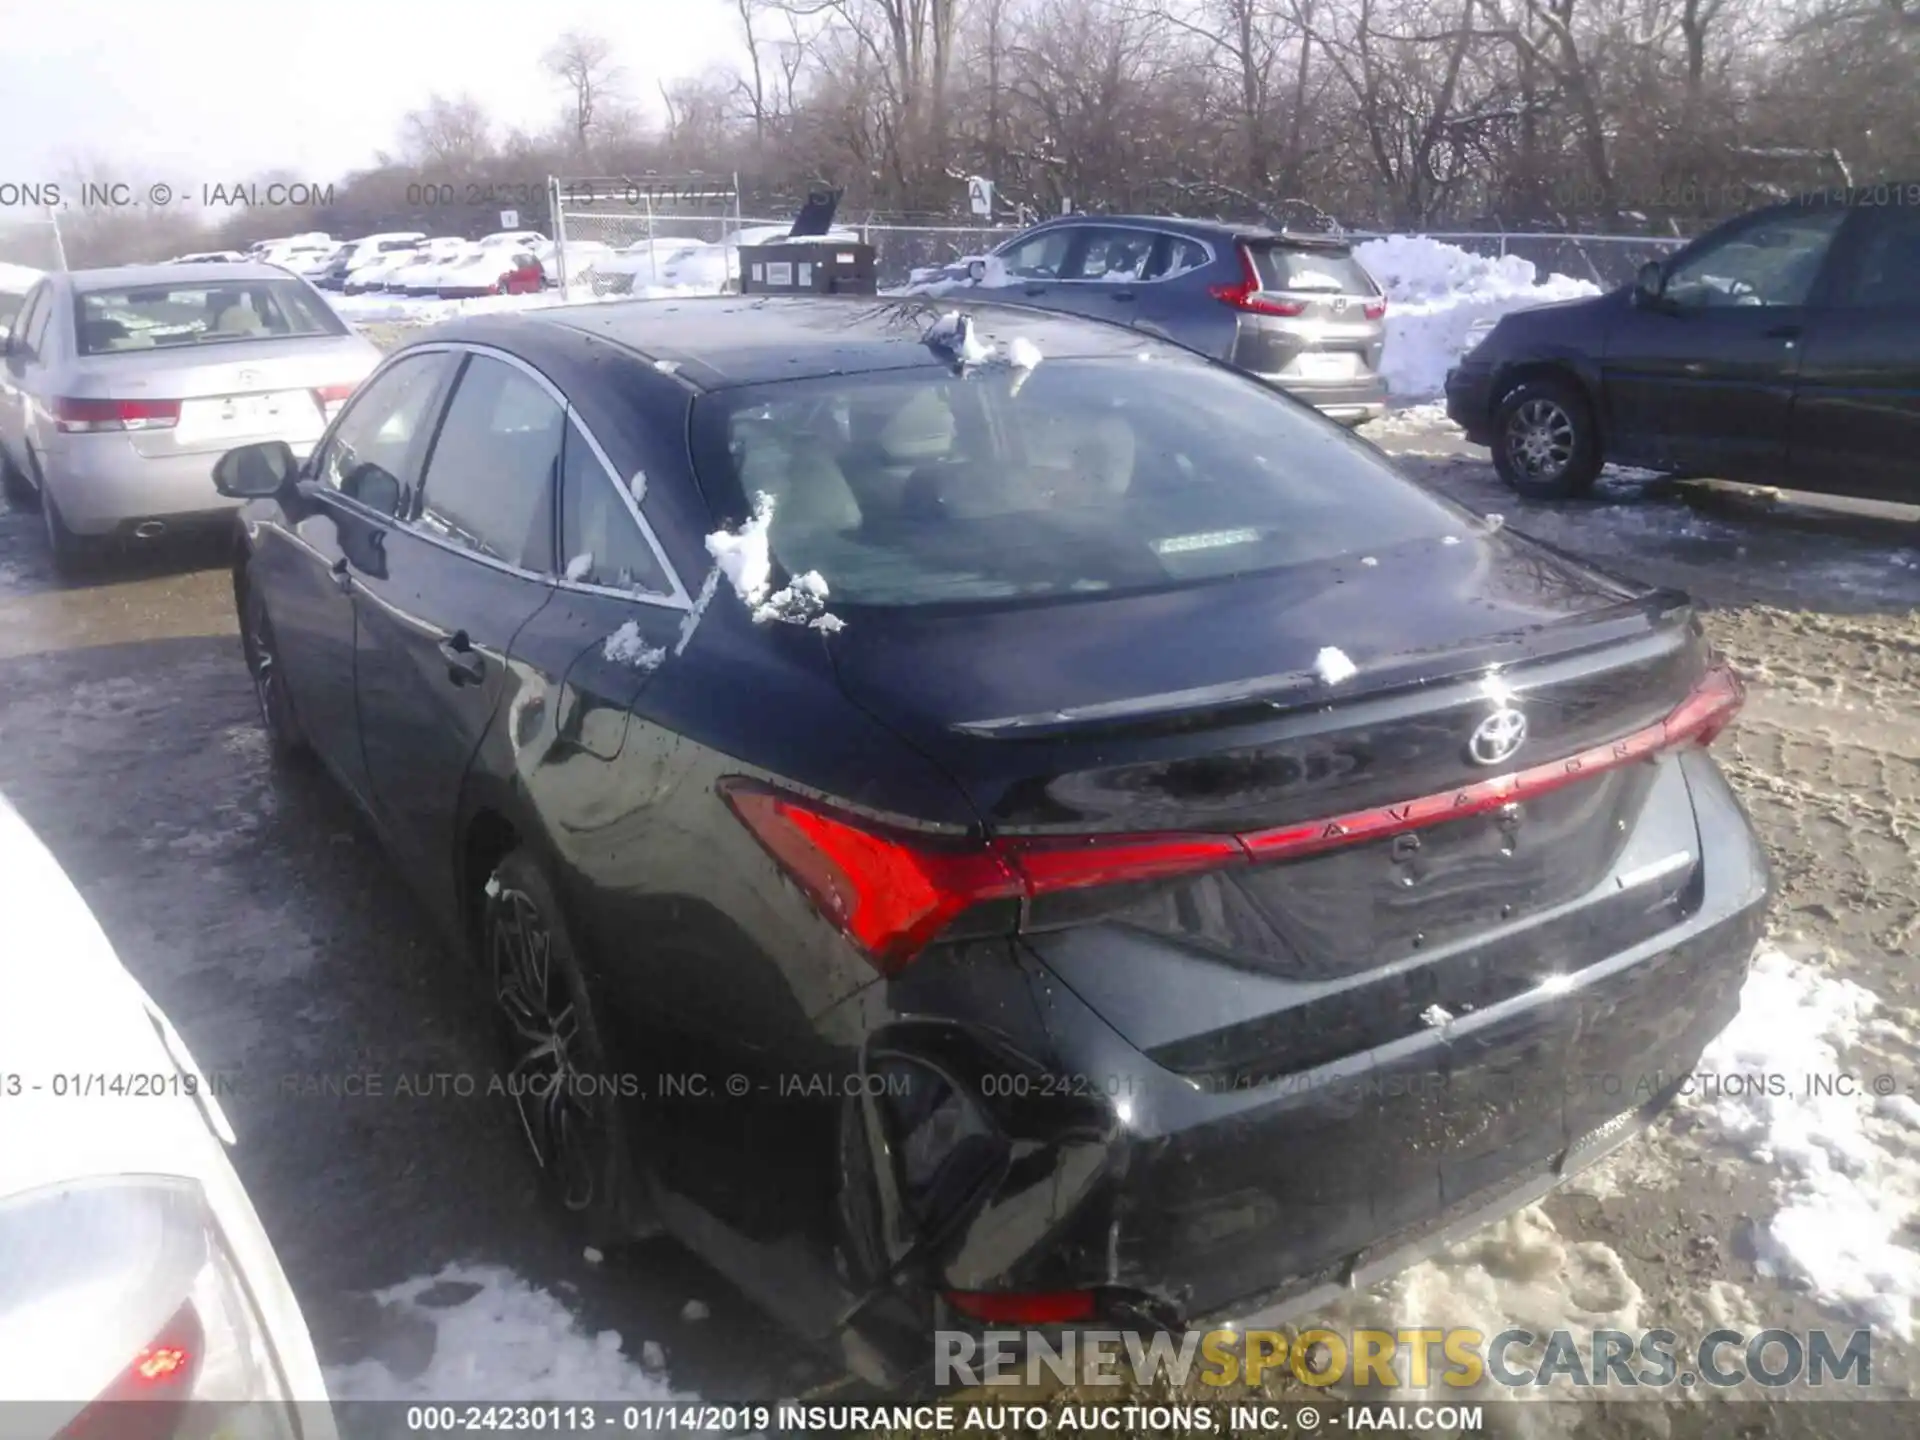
(973, 817)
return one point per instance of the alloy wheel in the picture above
(558, 1114)
(1540, 439)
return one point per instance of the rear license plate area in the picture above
(1335, 365)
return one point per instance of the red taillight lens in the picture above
(1247, 295)
(890, 896)
(1061, 1307)
(333, 394)
(1376, 310)
(893, 895)
(1704, 714)
(147, 1400)
(73, 416)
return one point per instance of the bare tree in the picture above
(584, 64)
(448, 134)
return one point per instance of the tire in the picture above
(15, 485)
(71, 552)
(286, 741)
(1546, 442)
(545, 1017)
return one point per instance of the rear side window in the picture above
(1075, 477)
(1885, 273)
(1334, 271)
(1180, 255)
(185, 313)
(489, 483)
(599, 542)
(1115, 254)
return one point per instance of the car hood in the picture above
(75, 1021)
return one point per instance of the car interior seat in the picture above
(233, 314)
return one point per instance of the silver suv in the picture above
(1298, 311)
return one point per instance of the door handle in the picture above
(1784, 332)
(1036, 290)
(464, 666)
(1124, 295)
(342, 576)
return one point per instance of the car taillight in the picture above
(332, 397)
(892, 894)
(73, 416)
(1248, 297)
(992, 1307)
(1376, 310)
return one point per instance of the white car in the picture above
(638, 264)
(380, 273)
(426, 279)
(132, 1264)
(15, 282)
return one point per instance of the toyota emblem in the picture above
(1498, 737)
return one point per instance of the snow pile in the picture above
(1333, 667)
(1436, 291)
(1848, 1178)
(743, 555)
(497, 1338)
(626, 646)
(803, 602)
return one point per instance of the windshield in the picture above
(1076, 477)
(145, 317)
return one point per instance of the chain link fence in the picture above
(620, 236)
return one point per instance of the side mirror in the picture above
(976, 270)
(254, 472)
(1650, 285)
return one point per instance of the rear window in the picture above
(1334, 271)
(1076, 477)
(183, 312)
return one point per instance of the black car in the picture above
(1297, 310)
(1782, 347)
(987, 818)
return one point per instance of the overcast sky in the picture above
(199, 91)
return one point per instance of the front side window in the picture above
(489, 482)
(1773, 262)
(1073, 477)
(187, 313)
(1040, 258)
(367, 455)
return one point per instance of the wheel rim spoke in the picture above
(557, 1117)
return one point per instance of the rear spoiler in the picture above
(1304, 240)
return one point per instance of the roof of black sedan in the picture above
(715, 342)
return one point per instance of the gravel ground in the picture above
(263, 918)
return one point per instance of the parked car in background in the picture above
(133, 1266)
(642, 263)
(495, 270)
(300, 253)
(1298, 311)
(1049, 773)
(120, 388)
(1782, 347)
(586, 260)
(15, 282)
(209, 257)
(366, 251)
(384, 272)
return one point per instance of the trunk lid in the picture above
(233, 392)
(1199, 710)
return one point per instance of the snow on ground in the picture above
(1847, 1166)
(1436, 291)
(495, 1337)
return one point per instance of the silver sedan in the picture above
(120, 388)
